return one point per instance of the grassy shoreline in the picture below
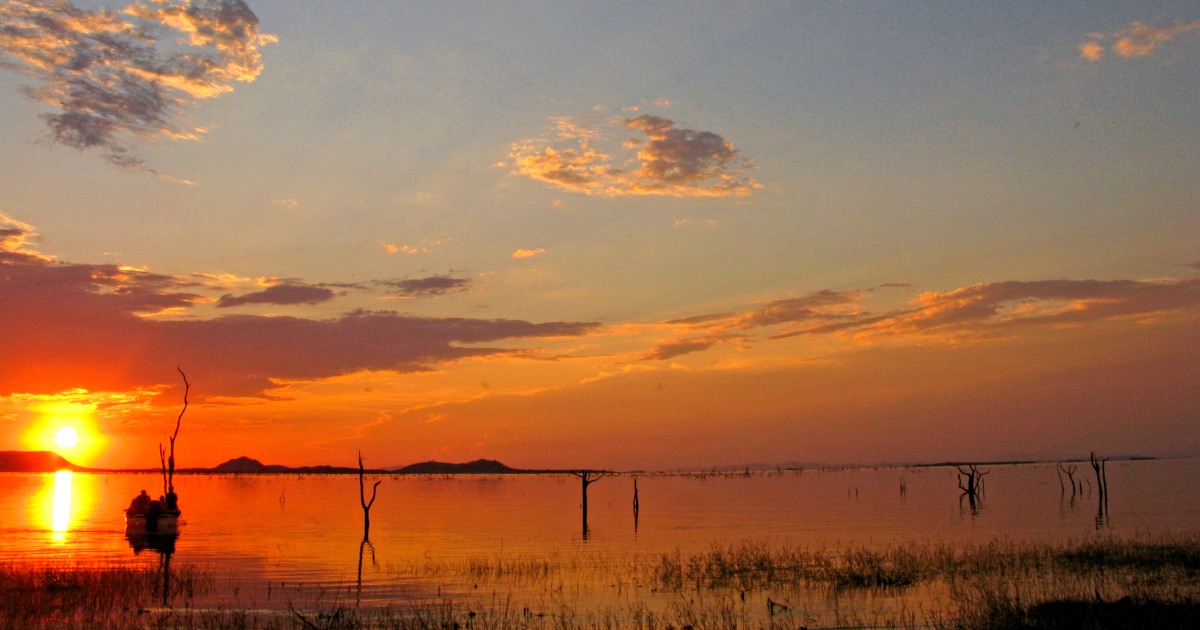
(1099, 582)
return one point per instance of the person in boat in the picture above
(139, 504)
(172, 500)
(153, 511)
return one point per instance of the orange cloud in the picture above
(1091, 50)
(1138, 40)
(528, 253)
(667, 160)
(979, 311)
(115, 73)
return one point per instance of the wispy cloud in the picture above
(113, 74)
(1138, 40)
(664, 160)
(987, 309)
(428, 286)
(678, 347)
(975, 312)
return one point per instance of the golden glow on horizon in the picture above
(66, 428)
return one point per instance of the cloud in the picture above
(112, 74)
(818, 305)
(979, 311)
(528, 253)
(69, 326)
(666, 160)
(988, 309)
(432, 285)
(280, 294)
(1138, 40)
(1091, 50)
(679, 347)
(14, 237)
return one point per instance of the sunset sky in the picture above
(629, 236)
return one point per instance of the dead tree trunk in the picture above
(168, 461)
(362, 499)
(974, 482)
(587, 478)
(1069, 471)
(1099, 466)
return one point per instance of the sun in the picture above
(66, 437)
(67, 428)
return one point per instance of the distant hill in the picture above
(477, 467)
(249, 465)
(253, 466)
(34, 461)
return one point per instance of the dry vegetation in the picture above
(1098, 583)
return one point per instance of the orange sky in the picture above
(603, 236)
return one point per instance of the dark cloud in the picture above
(280, 294)
(109, 74)
(432, 285)
(69, 326)
(674, 160)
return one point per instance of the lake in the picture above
(276, 540)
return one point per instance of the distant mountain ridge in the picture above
(249, 465)
(34, 462)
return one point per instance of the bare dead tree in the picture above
(168, 461)
(362, 498)
(587, 478)
(1069, 471)
(973, 487)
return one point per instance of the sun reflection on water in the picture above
(60, 511)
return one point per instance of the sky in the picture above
(634, 236)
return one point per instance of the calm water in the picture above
(265, 535)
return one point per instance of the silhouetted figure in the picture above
(172, 500)
(139, 504)
(153, 511)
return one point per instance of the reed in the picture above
(1146, 581)
(65, 596)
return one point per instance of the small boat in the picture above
(146, 516)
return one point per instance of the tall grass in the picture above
(82, 596)
(1148, 581)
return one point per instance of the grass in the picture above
(1148, 581)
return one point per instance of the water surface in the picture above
(273, 538)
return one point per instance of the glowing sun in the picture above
(66, 437)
